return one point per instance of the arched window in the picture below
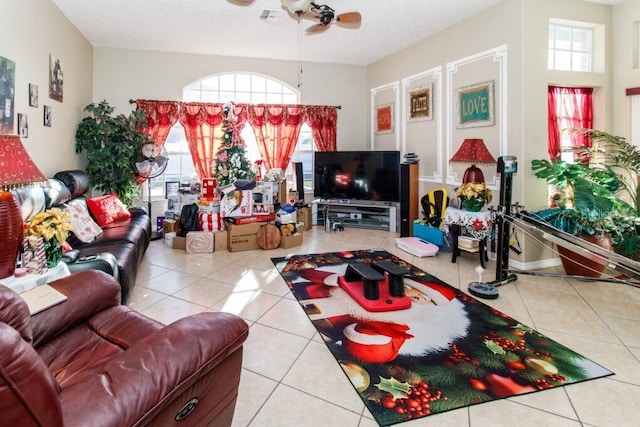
(240, 88)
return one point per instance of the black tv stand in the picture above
(356, 213)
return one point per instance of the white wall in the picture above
(626, 60)
(30, 30)
(120, 75)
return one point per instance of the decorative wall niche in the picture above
(385, 100)
(422, 121)
(484, 70)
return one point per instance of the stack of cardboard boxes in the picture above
(231, 217)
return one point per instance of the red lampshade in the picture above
(16, 169)
(473, 151)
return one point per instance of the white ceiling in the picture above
(219, 27)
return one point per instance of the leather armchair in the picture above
(90, 361)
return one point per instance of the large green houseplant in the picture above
(111, 143)
(594, 195)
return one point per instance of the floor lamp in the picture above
(16, 170)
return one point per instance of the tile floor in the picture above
(291, 379)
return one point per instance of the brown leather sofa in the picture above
(90, 361)
(126, 240)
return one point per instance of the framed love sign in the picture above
(475, 106)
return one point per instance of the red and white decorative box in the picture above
(208, 187)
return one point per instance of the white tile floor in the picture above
(290, 378)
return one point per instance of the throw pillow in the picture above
(84, 227)
(108, 209)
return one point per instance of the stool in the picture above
(456, 231)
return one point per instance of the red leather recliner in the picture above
(90, 361)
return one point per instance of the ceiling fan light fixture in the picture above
(297, 7)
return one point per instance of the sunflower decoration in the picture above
(474, 195)
(52, 223)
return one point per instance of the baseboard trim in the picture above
(534, 265)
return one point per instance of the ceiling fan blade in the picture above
(317, 29)
(349, 19)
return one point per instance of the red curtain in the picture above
(161, 116)
(202, 124)
(569, 107)
(276, 128)
(323, 122)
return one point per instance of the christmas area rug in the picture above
(445, 351)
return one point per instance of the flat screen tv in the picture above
(357, 175)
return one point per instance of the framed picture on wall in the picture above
(56, 80)
(23, 126)
(420, 104)
(384, 118)
(47, 116)
(33, 95)
(474, 104)
(7, 93)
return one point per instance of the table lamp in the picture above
(473, 151)
(16, 170)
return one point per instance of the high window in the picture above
(239, 88)
(570, 46)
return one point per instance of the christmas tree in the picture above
(231, 159)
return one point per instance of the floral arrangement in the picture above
(51, 223)
(472, 193)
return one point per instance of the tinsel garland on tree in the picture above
(231, 159)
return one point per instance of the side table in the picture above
(30, 281)
(475, 224)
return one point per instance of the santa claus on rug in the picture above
(435, 319)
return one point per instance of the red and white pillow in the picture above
(84, 227)
(108, 209)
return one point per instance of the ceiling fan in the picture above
(307, 9)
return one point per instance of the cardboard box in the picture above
(220, 240)
(169, 226)
(242, 237)
(199, 242)
(168, 238)
(236, 203)
(179, 243)
(282, 192)
(291, 241)
(263, 192)
(304, 219)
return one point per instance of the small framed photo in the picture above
(47, 116)
(421, 103)
(23, 126)
(384, 118)
(56, 80)
(33, 95)
(475, 105)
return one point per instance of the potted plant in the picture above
(111, 143)
(473, 195)
(588, 201)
